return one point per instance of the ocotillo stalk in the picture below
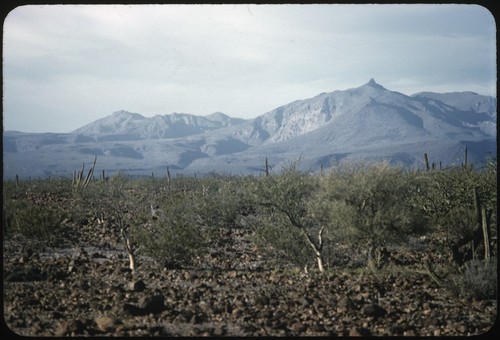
(130, 251)
(426, 160)
(486, 236)
(90, 174)
(80, 175)
(317, 249)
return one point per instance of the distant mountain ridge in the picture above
(123, 125)
(368, 122)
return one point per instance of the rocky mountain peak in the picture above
(374, 84)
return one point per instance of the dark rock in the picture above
(21, 274)
(153, 303)
(373, 310)
(262, 300)
(133, 309)
(137, 286)
(359, 331)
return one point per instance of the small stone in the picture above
(262, 300)
(344, 305)
(219, 331)
(409, 332)
(105, 323)
(298, 327)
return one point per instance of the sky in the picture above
(65, 66)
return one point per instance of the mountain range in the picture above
(366, 123)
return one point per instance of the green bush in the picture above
(40, 227)
(446, 198)
(223, 201)
(28, 212)
(281, 220)
(280, 242)
(367, 204)
(179, 234)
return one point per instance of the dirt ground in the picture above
(87, 289)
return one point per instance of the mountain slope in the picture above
(368, 122)
(370, 105)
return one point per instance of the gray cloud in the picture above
(65, 66)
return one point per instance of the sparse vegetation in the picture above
(477, 279)
(30, 218)
(337, 224)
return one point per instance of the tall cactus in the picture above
(77, 177)
(90, 174)
(486, 236)
(426, 161)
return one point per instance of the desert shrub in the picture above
(183, 206)
(281, 219)
(223, 201)
(57, 186)
(446, 198)
(368, 204)
(29, 213)
(174, 244)
(179, 233)
(39, 227)
(90, 202)
(476, 279)
(279, 241)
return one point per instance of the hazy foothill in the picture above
(356, 212)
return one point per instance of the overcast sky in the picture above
(65, 66)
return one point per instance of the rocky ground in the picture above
(87, 289)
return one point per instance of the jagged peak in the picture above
(373, 83)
